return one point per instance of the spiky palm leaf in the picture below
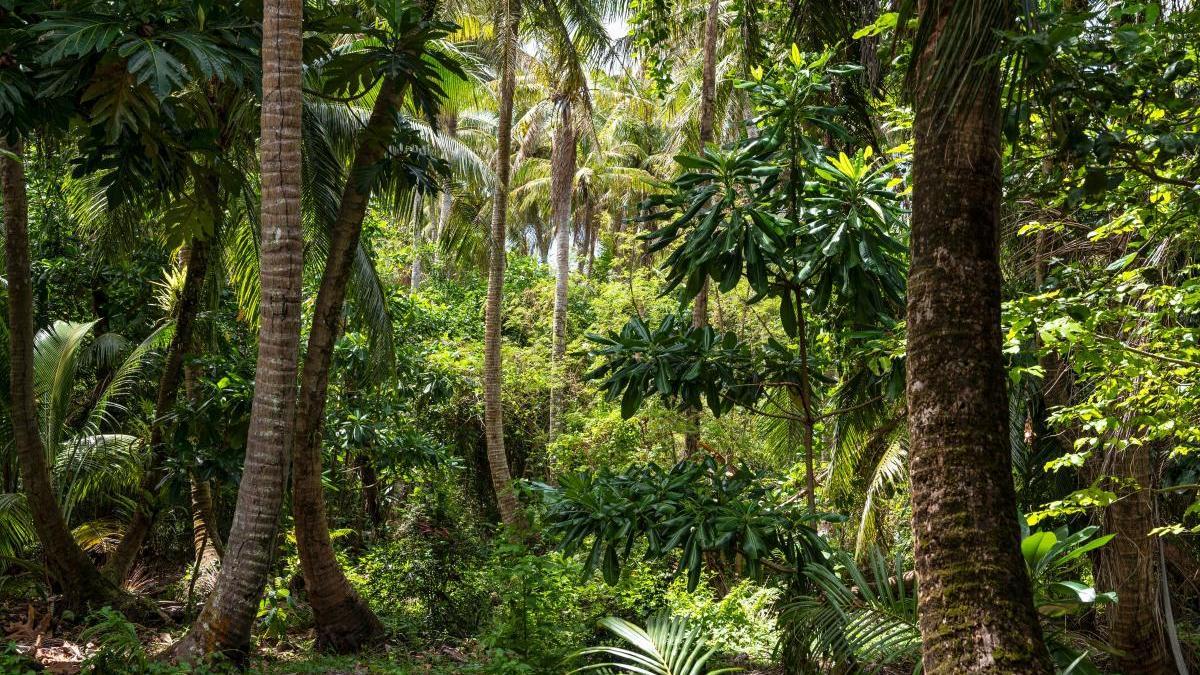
(859, 624)
(669, 645)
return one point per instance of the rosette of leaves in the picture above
(719, 212)
(693, 509)
(686, 366)
(848, 245)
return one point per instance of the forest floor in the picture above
(58, 644)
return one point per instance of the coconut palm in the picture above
(225, 622)
(93, 467)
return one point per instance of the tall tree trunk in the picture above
(1130, 565)
(806, 404)
(225, 622)
(562, 175)
(169, 383)
(493, 423)
(708, 104)
(418, 269)
(344, 621)
(204, 513)
(446, 202)
(80, 581)
(974, 596)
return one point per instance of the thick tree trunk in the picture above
(169, 383)
(974, 596)
(493, 423)
(225, 622)
(80, 581)
(562, 174)
(344, 621)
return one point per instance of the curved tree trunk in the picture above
(562, 175)
(169, 383)
(974, 596)
(493, 424)
(225, 622)
(80, 581)
(344, 621)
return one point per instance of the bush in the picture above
(741, 623)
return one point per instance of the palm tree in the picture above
(510, 514)
(66, 562)
(975, 599)
(569, 51)
(343, 620)
(224, 624)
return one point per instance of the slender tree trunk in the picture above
(806, 404)
(447, 196)
(493, 424)
(589, 220)
(225, 622)
(344, 621)
(562, 174)
(204, 513)
(169, 383)
(418, 269)
(708, 82)
(80, 581)
(708, 99)
(974, 596)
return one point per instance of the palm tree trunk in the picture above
(974, 597)
(80, 581)
(169, 382)
(510, 512)
(225, 622)
(447, 196)
(562, 174)
(344, 621)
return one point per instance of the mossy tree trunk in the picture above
(974, 595)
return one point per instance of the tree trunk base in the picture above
(353, 626)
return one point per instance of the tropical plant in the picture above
(861, 621)
(666, 646)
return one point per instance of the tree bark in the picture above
(225, 622)
(446, 204)
(974, 595)
(562, 174)
(69, 567)
(1129, 565)
(344, 621)
(708, 98)
(506, 500)
(418, 269)
(169, 383)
